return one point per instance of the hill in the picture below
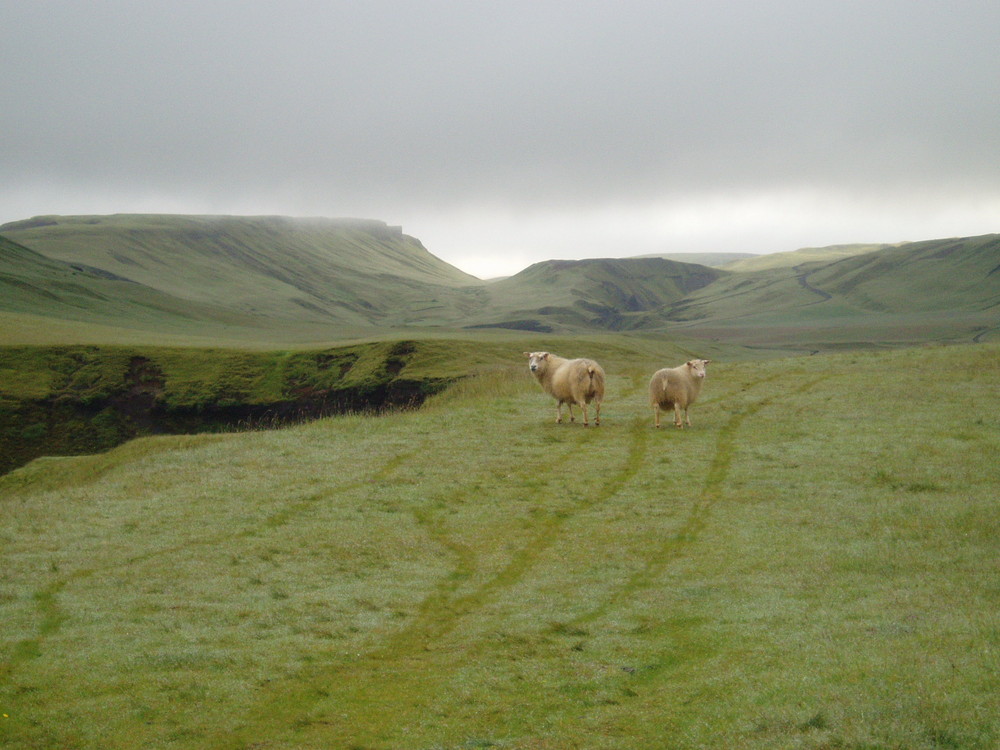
(937, 290)
(825, 254)
(35, 284)
(268, 272)
(273, 281)
(609, 294)
(158, 249)
(952, 275)
(316, 279)
(713, 260)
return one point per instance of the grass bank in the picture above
(67, 400)
(813, 565)
(71, 400)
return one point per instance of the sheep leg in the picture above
(677, 416)
(559, 412)
(656, 416)
(572, 417)
(597, 417)
(583, 408)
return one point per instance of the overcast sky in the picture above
(501, 134)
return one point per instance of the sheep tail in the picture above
(596, 376)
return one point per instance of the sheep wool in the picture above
(569, 381)
(677, 388)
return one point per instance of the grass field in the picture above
(815, 564)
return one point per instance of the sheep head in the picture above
(536, 360)
(697, 367)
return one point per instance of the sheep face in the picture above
(697, 367)
(536, 360)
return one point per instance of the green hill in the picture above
(938, 290)
(935, 276)
(606, 294)
(273, 281)
(271, 272)
(713, 260)
(165, 250)
(32, 283)
(825, 254)
(316, 279)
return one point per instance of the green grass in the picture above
(812, 565)
(68, 400)
(197, 377)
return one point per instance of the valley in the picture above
(258, 280)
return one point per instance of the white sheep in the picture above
(677, 388)
(569, 381)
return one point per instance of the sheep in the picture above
(569, 381)
(677, 387)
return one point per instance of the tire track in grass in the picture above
(545, 532)
(51, 615)
(521, 560)
(51, 618)
(381, 692)
(679, 630)
(710, 493)
(366, 689)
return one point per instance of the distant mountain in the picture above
(936, 290)
(280, 279)
(712, 260)
(355, 274)
(610, 294)
(961, 274)
(165, 248)
(35, 284)
(798, 257)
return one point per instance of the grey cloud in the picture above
(392, 108)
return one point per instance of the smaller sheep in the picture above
(569, 381)
(677, 388)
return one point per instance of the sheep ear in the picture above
(526, 354)
(545, 355)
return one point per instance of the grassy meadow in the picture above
(815, 564)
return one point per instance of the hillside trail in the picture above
(802, 276)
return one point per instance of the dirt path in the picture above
(803, 279)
